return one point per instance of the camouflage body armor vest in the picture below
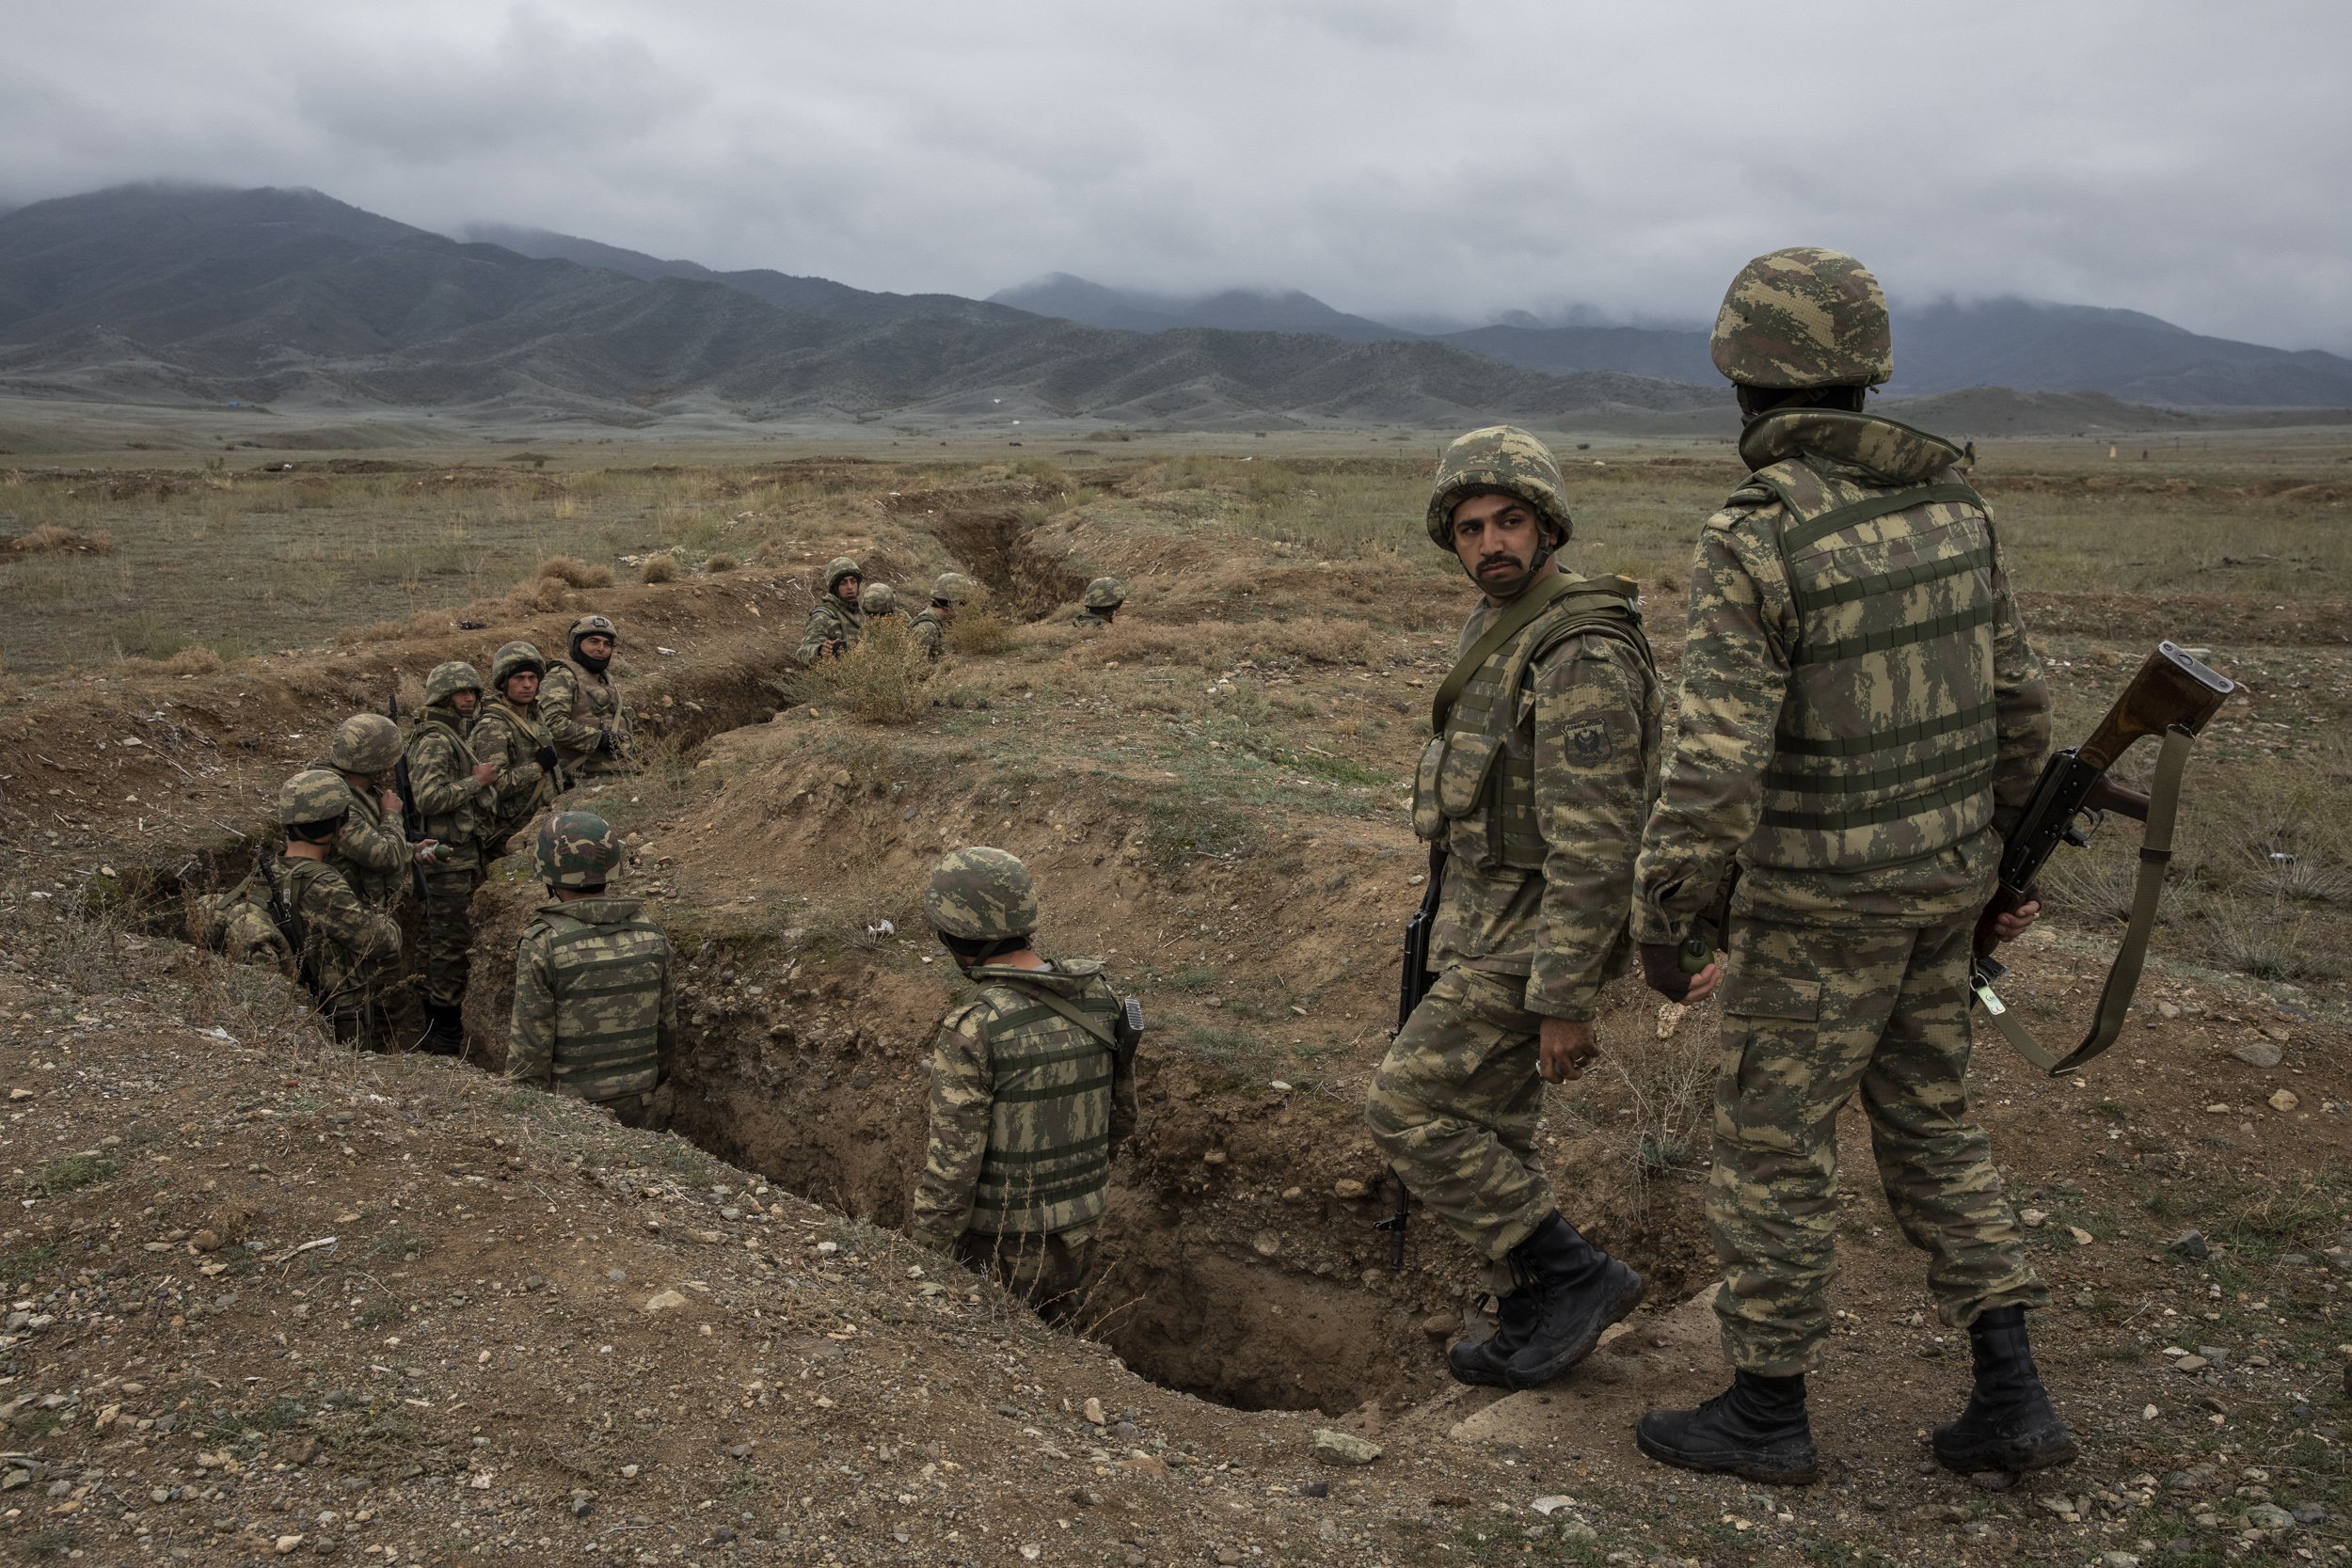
(438, 744)
(607, 979)
(1048, 1165)
(1476, 788)
(1887, 740)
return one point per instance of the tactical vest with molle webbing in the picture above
(1886, 741)
(1050, 1052)
(1474, 792)
(607, 979)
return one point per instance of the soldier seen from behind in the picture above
(580, 705)
(878, 601)
(1032, 1091)
(1101, 605)
(835, 621)
(1535, 787)
(452, 790)
(931, 624)
(1862, 723)
(596, 1011)
(509, 736)
(372, 853)
(297, 911)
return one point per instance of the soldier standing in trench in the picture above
(1535, 785)
(835, 620)
(1862, 723)
(453, 791)
(580, 705)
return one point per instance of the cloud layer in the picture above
(1396, 157)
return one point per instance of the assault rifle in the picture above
(411, 819)
(1413, 982)
(2172, 696)
(281, 915)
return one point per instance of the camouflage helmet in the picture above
(315, 795)
(981, 894)
(877, 598)
(450, 678)
(1803, 317)
(1501, 458)
(592, 625)
(365, 743)
(576, 849)
(1105, 593)
(841, 566)
(953, 588)
(512, 658)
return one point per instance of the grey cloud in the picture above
(1392, 156)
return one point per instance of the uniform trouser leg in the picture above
(1811, 1017)
(1454, 1108)
(445, 943)
(1050, 1272)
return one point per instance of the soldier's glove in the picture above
(604, 741)
(1661, 968)
(545, 758)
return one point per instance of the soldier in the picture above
(1862, 721)
(1535, 787)
(372, 853)
(930, 624)
(509, 736)
(596, 1014)
(582, 707)
(1104, 597)
(299, 911)
(453, 791)
(1032, 1091)
(835, 620)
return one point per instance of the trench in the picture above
(995, 549)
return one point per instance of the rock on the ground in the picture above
(2265, 1054)
(1342, 1447)
(2269, 1516)
(2190, 1244)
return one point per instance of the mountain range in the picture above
(194, 297)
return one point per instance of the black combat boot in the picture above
(1485, 1363)
(444, 1030)
(1756, 1430)
(1574, 1291)
(2009, 1424)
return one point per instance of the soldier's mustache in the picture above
(1501, 561)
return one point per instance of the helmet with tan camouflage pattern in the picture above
(877, 598)
(841, 566)
(365, 743)
(981, 894)
(450, 678)
(1104, 594)
(1500, 458)
(1803, 317)
(953, 588)
(590, 626)
(312, 796)
(515, 656)
(576, 849)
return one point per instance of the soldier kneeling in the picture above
(595, 1010)
(1032, 1089)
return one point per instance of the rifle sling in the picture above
(1092, 1026)
(1515, 618)
(2115, 998)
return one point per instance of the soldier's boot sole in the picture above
(1610, 1299)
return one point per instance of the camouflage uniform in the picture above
(832, 623)
(930, 622)
(596, 1011)
(1104, 597)
(581, 707)
(1032, 1091)
(1536, 790)
(372, 853)
(1862, 717)
(440, 768)
(518, 742)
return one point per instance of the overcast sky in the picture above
(1391, 156)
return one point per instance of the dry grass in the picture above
(1665, 1091)
(575, 572)
(57, 539)
(978, 632)
(721, 562)
(657, 568)
(885, 680)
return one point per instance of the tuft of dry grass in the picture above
(884, 680)
(657, 568)
(978, 632)
(721, 562)
(57, 539)
(575, 572)
(537, 593)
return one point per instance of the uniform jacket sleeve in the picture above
(2021, 706)
(377, 843)
(1735, 673)
(559, 693)
(962, 1087)
(531, 1030)
(514, 748)
(1592, 783)
(439, 776)
(822, 628)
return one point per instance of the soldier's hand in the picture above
(426, 851)
(545, 758)
(604, 741)
(389, 801)
(2010, 926)
(1662, 969)
(1565, 1047)
(485, 771)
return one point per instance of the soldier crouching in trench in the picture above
(1032, 1091)
(1535, 787)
